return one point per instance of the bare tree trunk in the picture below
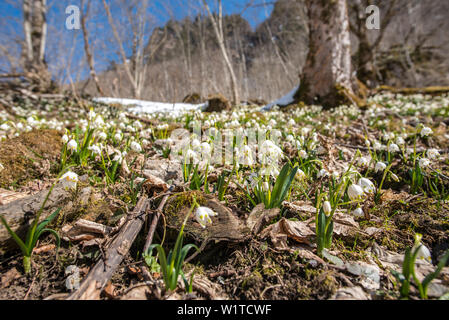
(327, 76)
(121, 50)
(89, 56)
(35, 30)
(218, 28)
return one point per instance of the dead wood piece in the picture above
(100, 274)
(19, 214)
(158, 213)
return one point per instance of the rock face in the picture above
(217, 103)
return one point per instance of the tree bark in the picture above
(35, 30)
(89, 56)
(327, 76)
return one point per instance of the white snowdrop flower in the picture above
(392, 148)
(136, 147)
(138, 125)
(19, 125)
(196, 144)
(425, 132)
(95, 149)
(145, 142)
(291, 122)
(358, 213)
(270, 149)
(322, 173)
(377, 145)
(203, 214)
(72, 145)
(5, 127)
(433, 153)
(102, 135)
(302, 154)
(424, 162)
(205, 148)
(305, 131)
(380, 166)
(265, 186)
(91, 115)
(122, 125)
(245, 156)
(424, 253)
(400, 141)
(69, 180)
(367, 185)
(118, 156)
(300, 174)
(65, 139)
(363, 161)
(355, 192)
(327, 208)
(290, 138)
(336, 174)
(118, 136)
(367, 143)
(191, 156)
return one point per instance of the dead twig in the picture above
(153, 225)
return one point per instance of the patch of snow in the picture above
(285, 100)
(142, 106)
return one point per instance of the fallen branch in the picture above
(100, 274)
(158, 212)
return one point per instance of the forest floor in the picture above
(396, 151)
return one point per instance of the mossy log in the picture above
(19, 214)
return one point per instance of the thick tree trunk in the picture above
(327, 76)
(35, 29)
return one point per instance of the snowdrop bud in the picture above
(394, 177)
(355, 192)
(65, 139)
(72, 145)
(1, 167)
(380, 166)
(69, 180)
(358, 213)
(327, 208)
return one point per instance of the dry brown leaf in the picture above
(9, 277)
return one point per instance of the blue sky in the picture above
(65, 47)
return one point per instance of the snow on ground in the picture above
(142, 106)
(285, 100)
